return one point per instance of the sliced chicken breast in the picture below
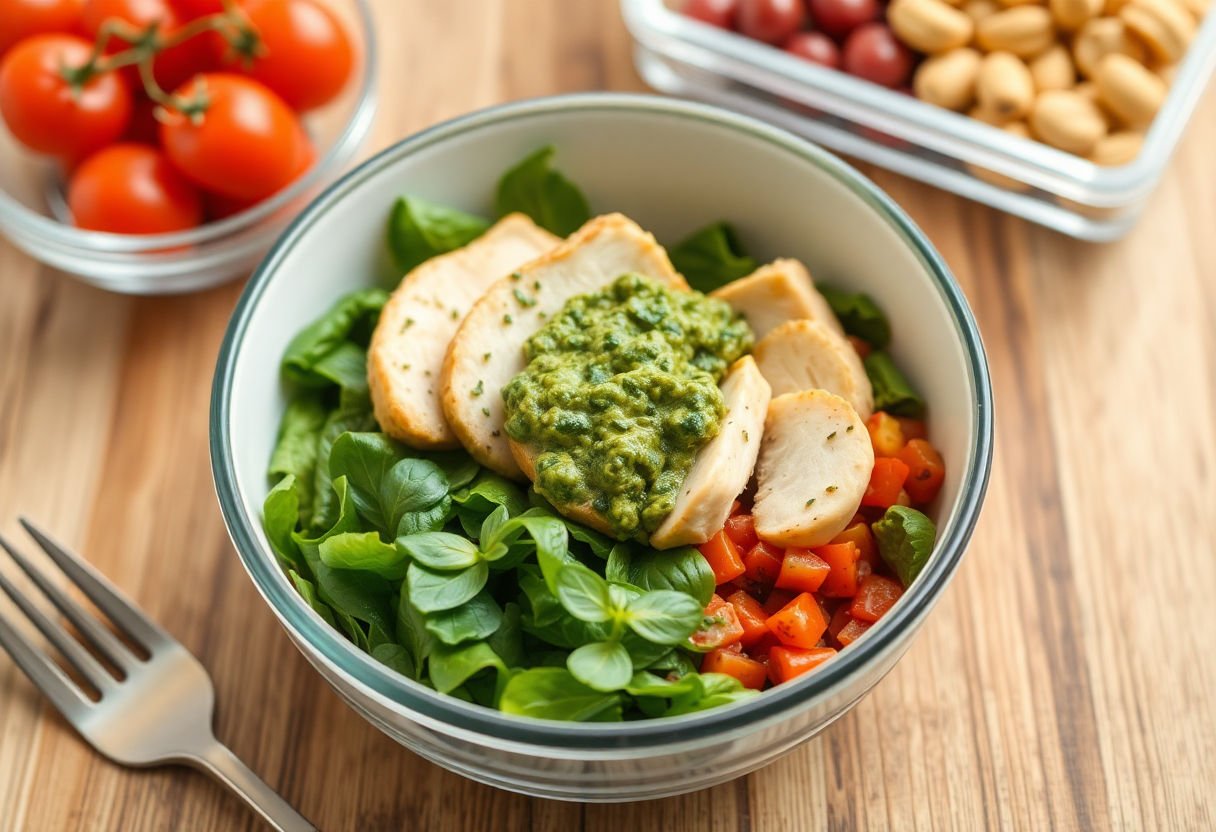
(815, 463)
(487, 350)
(779, 292)
(724, 466)
(807, 355)
(405, 359)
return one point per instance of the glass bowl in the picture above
(673, 166)
(33, 209)
(681, 56)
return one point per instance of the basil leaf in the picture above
(892, 392)
(684, 570)
(412, 632)
(508, 641)
(534, 188)
(664, 616)
(648, 684)
(552, 545)
(295, 451)
(717, 689)
(616, 570)
(554, 693)
(491, 530)
(419, 230)
(451, 667)
(365, 460)
(599, 544)
(711, 257)
(440, 550)
(350, 319)
(480, 618)
(905, 541)
(603, 665)
(673, 663)
(458, 468)
(363, 551)
(548, 620)
(280, 514)
(859, 315)
(434, 591)
(428, 520)
(489, 491)
(308, 592)
(583, 593)
(643, 653)
(410, 485)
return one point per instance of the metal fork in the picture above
(156, 710)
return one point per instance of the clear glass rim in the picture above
(454, 716)
(66, 237)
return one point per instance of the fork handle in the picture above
(226, 767)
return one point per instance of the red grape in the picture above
(815, 47)
(873, 53)
(839, 17)
(771, 21)
(720, 13)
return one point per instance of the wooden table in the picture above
(1066, 678)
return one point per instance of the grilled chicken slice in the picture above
(779, 292)
(807, 355)
(487, 350)
(405, 359)
(724, 466)
(815, 463)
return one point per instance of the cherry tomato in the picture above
(43, 110)
(219, 207)
(815, 47)
(720, 13)
(21, 19)
(132, 189)
(839, 17)
(308, 55)
(247, 145)
(172, 67)
(873, 53)
(771, 21)
(190, 9)
(143, 127)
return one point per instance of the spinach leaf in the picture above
(584, 594)
(419, 230)
(440, 550)
(280, 513)
(295, 451)
(489, 491)
(353, 415)
(451, 667)
(308, 592)
(412, 632)
(363, 551)
(548, 621)
(648, 684)
(365, 460)
(673, 663)
(428, 520)
(905, 541)
(478, 619)
(599, 544)
(684, 570)
(411, 485)
(859, 315)
(554, 693)
(350, 319)
(717, 689)
(345, 366)
(550, 199)
(432, 591)
(457, 466)
(711, 257)
(395, 657)
(552, 546)
(507, 641)
(603, 665)
(892, 392)
(616, 570)
(664, 616)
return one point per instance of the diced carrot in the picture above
(799, 623)
(926, 470)
(751, 617)
(763, 563)
(886, 481)
(842, 579)
(839, 619)
(912, 428)
(861, 345)
(802, 570)
(748, 671)
(777, 599)
(723, 557)
(742, 529)
(761, 648)
(852, 631)
(875, 596)
(886, 435)
(719, 628)
(858, 533)
(785, 663)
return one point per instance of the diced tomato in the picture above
(763, 563)
(861, 345)
(886, 481)
(842, 580)
(799, 623)
(785, 663)
(777, 599)
(912, 428)
(926, 471)
(751, 617)
(742, 529)
(719, 628)
(874, 597)
(723, 557)
(858, 533)
(852, 631)
(886, 435)
(748, 671)
(802, 570)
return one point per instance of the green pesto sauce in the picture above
(620, 392)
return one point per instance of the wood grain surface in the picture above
(1065, 681)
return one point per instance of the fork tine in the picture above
(43, 672)
(80, 658)
(105, 642)
(102, 593)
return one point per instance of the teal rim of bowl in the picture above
(465, 717)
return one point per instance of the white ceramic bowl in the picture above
(673, 167)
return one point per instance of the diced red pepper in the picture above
(843, 579)
(886, 481)
(874, 597)
(800, 623)
(742, 529)
(926, 470)
(719, 628)
(723, 557)
(802, 570)
(852, 631)
(763, 563)
(886, 434)
(751, 615)
(751, 673)
(785, 663)
(858, 533)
